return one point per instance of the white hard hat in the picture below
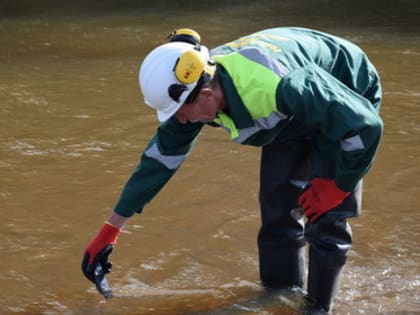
(169, 73)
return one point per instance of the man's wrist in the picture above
(116, 220)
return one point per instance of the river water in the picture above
(72, 128)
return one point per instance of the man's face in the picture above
(203, 109)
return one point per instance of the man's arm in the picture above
(340, 121)
(161, 159)
(159, 162)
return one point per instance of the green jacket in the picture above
(282, 83)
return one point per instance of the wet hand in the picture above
(95, 263)
(321, 196)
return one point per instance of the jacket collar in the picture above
(235, 107)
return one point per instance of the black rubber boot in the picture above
(281, 267)
(323, 281)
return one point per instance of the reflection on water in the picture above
(72, 126)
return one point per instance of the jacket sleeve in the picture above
(162, 157)
(343, 124)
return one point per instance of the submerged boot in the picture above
(281, 267)
(323, 281)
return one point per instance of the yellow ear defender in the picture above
(189, 67)
(187, 35)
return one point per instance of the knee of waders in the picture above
(328, 237)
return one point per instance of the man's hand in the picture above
(321, 196)
(95, 263)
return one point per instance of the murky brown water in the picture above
(72, 127)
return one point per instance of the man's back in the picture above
(297, 47)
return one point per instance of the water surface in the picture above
(73, 125)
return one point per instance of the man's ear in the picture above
(207, 92)
(204, 94)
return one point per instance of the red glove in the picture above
(321, 196)
(95, 262)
